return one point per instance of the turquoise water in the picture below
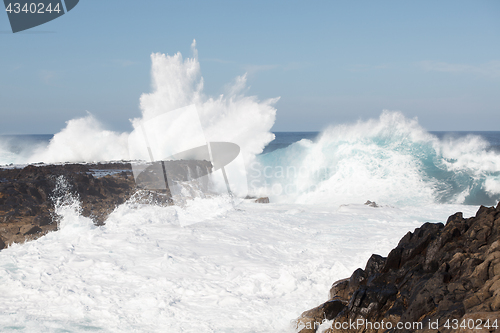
(398, 165)
(284, 139)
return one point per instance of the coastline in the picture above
(29, 195)
(103, 187)
(439, 278)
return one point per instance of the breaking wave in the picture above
(390, 160)
(176, 83)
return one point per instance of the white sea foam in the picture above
(245, 270)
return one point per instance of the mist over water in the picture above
(17, 149)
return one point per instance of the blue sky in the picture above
(330, 61)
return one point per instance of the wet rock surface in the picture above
(436, 274)
(28, 195)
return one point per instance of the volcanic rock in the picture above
(28, 196)
(371, 204)
(437, 274)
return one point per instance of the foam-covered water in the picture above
(254, 269)
(213, 266)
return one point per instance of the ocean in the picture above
(14, 146)
(217, 264)
(375, 161)
(256, 267)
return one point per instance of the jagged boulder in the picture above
(438, 275)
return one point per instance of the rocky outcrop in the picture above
(28, 196)
(440, 278)
(371, 204)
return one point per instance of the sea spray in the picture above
(176, 83)
(83, 140)
(392, 160)
(18, 149)
(68, 208)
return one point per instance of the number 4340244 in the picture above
(33, 8)
(471, 324)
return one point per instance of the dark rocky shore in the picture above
(28, 195)
(446, 277)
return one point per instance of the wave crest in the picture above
(391, 160)
(176, 83)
